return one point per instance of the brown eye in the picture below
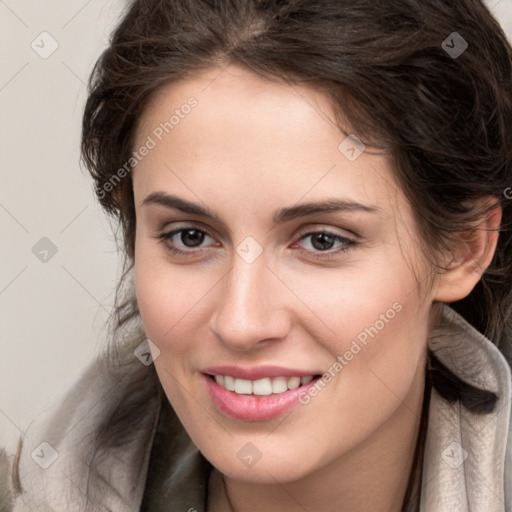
(192, 237)
(322, 242)
(183, 241)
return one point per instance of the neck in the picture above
(374, 476)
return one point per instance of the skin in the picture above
(249, 148)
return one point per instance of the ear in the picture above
(471, 258)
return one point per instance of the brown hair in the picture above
(444, 120)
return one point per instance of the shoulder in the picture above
(91, 448)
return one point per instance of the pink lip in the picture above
(251, 407)
(258, 372)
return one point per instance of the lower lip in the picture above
(253, 407)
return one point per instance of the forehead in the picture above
(245, 132)
(235, 99)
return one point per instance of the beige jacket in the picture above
(61, 464)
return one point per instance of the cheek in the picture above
(171, 299)
(386, 375)
(360, 302)
(374, 326)
(158, 294)
(382, 361)
(389, 351)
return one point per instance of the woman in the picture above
(315, 311)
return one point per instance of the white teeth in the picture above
(261, 387)
(243, 387)
(279, 385)
(229, 383)
(293, 382)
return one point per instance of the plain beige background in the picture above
(52, 312)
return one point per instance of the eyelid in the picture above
(297, 235)
(184, 224)
(332, 230)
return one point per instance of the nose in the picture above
(250, 310)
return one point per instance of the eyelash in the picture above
(347, 243)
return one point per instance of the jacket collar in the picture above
(59, 466)
(463, 468)
(465, 462)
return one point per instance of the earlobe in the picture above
(470, 261)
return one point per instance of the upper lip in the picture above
(257, 372)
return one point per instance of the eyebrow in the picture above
(280, 216)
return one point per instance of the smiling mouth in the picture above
(261, 387)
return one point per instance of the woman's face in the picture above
(270, 284)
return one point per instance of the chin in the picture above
(265, 473)
(262, 462)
